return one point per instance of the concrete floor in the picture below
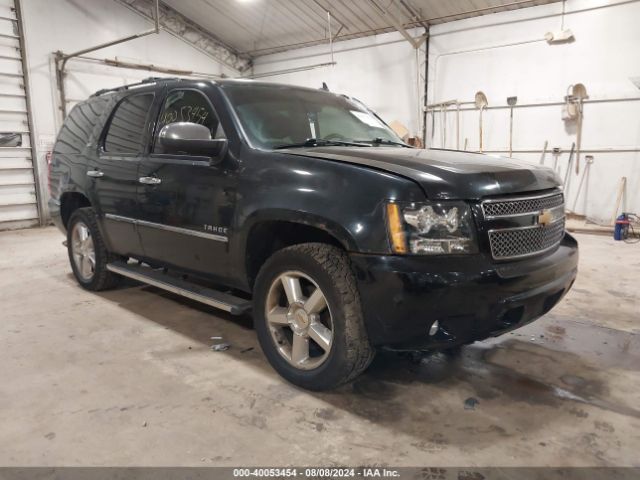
(127, 377)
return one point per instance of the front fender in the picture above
(305, 218)
(346, 201)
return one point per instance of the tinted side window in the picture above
(126, 130)
(188, 106)
(79, 125)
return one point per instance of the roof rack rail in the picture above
(127, 87)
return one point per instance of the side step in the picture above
(159, 279)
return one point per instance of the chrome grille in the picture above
(522, 242)
(534, 237)
(523, 206)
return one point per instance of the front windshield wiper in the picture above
(319, 142)
(383, 141)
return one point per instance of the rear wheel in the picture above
(87, 252)
(308, 316)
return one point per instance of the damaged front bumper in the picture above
(470, 296)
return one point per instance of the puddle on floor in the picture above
(548, 363)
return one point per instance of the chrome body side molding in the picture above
(169, 228)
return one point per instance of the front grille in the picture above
(526, 234)
(522, 242)
(514, 206)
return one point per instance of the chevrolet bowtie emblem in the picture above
(545, 217)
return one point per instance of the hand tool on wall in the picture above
(544, 152)
(481, 104)
(556, 154)
(578, 137)
(440, 110)
(588, 160)
(433, 126)
(566, 173)
(458, 125)
(578, 94)
(443, 122)
(511, 101)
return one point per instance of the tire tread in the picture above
(335, 262)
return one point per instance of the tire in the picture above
(95, 277)
(331, 360)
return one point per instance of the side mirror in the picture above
(188, 138)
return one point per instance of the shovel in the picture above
(579, 92)
(556, 153)
(566, 173)
(588, 161)
(511, 101)
(544, 152)
(481, 104)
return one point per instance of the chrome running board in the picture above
(159, 279)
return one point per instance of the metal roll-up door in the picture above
(19, 195)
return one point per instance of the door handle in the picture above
(150, 180)
(95, 173)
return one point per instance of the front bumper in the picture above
(472, 297)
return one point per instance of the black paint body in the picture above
(340, 191)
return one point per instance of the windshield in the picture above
(275, 116)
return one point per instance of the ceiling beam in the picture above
(385, 13)
(481, 11)
(193, 34)
(327, 8)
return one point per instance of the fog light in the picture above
(433, 329)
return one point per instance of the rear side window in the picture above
(126, 130)
(78, 127)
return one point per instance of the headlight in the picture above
(431, 228)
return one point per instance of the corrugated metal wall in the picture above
(18, 191)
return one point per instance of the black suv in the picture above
(304, 206)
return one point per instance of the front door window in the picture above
(187, 106)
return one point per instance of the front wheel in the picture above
(308, 316)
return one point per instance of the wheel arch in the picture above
(270, 231)
(69, 203)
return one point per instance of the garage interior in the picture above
(128, 377)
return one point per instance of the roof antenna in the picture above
(324, 86)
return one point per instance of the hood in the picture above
(445, 174)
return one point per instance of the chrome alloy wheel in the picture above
(299, 320)
(83, 251)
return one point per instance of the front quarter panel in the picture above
(347, 201)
